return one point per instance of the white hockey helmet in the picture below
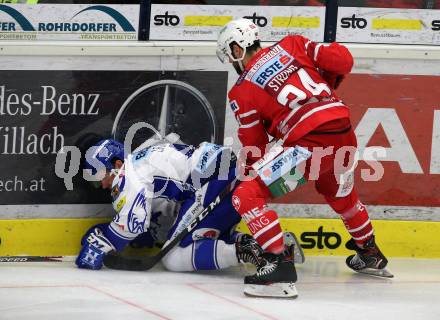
(241, 31)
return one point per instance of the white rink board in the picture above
(379, 59)
(192, 22)
(381, 25)
(69, 22)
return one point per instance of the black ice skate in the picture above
(368, 260)
(275, 277)
(248, 250)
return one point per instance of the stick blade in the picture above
(117, 262)
(31, 258)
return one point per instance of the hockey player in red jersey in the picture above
(287, 91)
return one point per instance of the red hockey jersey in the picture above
(286, 90)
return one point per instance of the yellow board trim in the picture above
(417, 239)
(296, 22)
(397, 24)
(16, 1)
(206, 21)
(52, 237)
(43, 237)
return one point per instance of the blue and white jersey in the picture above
(163, 172)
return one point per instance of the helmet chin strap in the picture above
(238, 62)
(238, 66)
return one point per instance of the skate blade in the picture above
(298, 253)
(382, 273)
(274, 290)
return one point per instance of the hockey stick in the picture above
(114, 261)
(30, 259)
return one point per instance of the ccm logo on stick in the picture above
(320, 239)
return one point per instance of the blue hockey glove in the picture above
(100, 226)
(93, 251)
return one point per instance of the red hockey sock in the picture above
(249, 199)
(355, 218)
(358, 223)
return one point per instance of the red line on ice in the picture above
(129, 303)
(231, 301)
(91, 288)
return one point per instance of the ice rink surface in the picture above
(327, 290)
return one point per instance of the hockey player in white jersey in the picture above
(147, 185)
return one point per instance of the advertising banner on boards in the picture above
(42, 111)
(381, 25)
(193, 22)
(400, 114)
(69, 22)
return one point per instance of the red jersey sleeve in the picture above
(251, 129)
(334, 58)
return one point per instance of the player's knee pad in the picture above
(178, 259)
(248, 195)
(249, 199)
(203, 254)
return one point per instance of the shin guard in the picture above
(249, 199)
(355, 217)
